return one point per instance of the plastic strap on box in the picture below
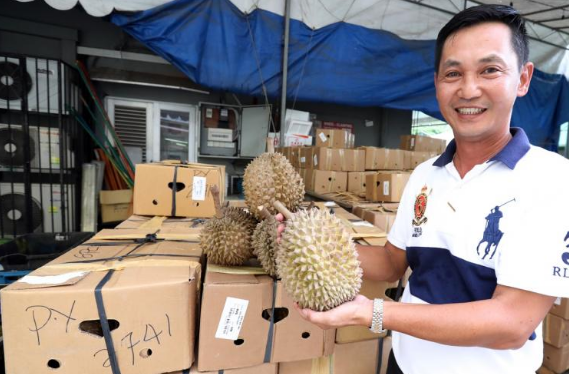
(269, 346)
(186, 371)
(379, 355)
(174, 190)
(105, 323)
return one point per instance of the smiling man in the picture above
(489, 261)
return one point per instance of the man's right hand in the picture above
(281, 227)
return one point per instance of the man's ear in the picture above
(525, 79)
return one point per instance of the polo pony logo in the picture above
(492, 234)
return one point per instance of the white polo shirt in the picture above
(506, 222)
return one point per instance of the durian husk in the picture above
(271, 177)
(264, 241)
(226, 241)
(317, 261)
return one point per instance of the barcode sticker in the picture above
(198, 191)
(323, 137)
(231, 318)
(386, 188)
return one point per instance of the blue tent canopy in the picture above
(220, 47)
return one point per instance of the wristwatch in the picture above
(377, 317)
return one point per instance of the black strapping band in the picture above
(269, 347)
(174, 190)
(379, 356)
(186, 371)
(220, 371)
(105, 323)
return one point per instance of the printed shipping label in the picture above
(198, 191)
(323, 137)
(231, 318)
(386, 188)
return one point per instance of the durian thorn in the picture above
(264, 212)
(281, 208)
(270, 145)
(216, 202)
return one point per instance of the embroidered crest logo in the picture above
(421, 207)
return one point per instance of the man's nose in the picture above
(469, 87)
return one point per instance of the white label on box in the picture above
(303, 160)
(557, 301)
(208, 113)
(412, 143)
(362, 223)
(330, 204)
(231, 318)
(315, 160)
(51, 279)
(386, 188)
(323, 137)
(198, 191)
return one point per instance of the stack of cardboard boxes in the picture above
(556, 338)
(141, 299)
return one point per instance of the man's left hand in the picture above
(355, 312)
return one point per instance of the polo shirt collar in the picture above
(516, 148)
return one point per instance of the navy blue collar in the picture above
(516, 148)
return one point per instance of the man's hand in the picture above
(281, 227)
(355, 312)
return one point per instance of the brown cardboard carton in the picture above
(333, 138)
(555, 330)
(386, 187)
(356, 358)
(295, 156)
(381, 216)
(556, 359)
(307, 177)
(115, 205)
(371, 290)
(357, 181)
(384, 159)
(244, 343)
(149, 297)
(259, 369)
(560, 308)
(350, 160)
(154, 194)
(330, 181)
(407, 163)
(418, 158)
(544, 370)
(305, 161)
(421, 143)
(182, 224)
(325, 158)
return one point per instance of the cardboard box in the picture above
(329, 181)
(259, 369)
(381, 217)
(294, 154)
(418, 158)
(356, 358)
(385, 186)
(560, 308)
(421, 143)
(115, 205)
(307, 176)
(150, 302)
(556, 359)
(244, 343)
(357, 181)
(168, 224)
(544, 370)
(555, 330)
(384, 159)
(154, 194)
(333, 138)
(334, 159)
(371, 290)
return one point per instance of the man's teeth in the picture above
(470, 110)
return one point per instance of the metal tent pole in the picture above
(285, 70)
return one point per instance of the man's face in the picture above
(478, 81)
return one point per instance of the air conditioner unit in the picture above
(46, 208)
(44, 148)
(40, 80)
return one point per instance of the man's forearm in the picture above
(379, 263)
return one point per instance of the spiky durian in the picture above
(264, 241)
(238, 214)
(317, 261)
(271, 177)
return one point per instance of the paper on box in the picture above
(150, 302)
(154, 189)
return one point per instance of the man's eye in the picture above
(490, 70)
(452, 74)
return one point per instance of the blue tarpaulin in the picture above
(218, 46)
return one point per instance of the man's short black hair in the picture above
(487, 13)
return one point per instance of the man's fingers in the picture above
(279, 217)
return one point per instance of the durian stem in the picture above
(264, 212)
(216, 202)
(311, 205)
(281, 208)
(270, 145)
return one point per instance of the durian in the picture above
(264, 241)
(226, 238)
(317, 260)
(271, 177)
